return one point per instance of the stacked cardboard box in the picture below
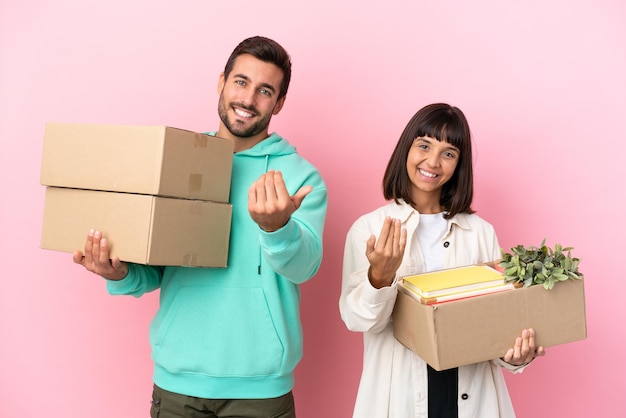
(159, 194)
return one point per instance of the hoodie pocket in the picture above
(218, 332)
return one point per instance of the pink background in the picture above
(541, 82)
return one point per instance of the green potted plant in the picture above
(539, 265)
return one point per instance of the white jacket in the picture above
(394, 380)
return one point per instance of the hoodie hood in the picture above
(273, 145)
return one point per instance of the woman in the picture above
(428, 225)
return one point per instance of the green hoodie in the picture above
(235, 333)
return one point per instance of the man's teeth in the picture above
(427, 174)
(243, 114)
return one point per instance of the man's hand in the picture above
(269, 203)
(96, 258)
(385, 255)
(524, 350)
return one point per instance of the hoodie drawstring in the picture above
(267, 163)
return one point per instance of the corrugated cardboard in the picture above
(467, 331)
(140, 228)
(154, 160)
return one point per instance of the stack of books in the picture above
(456, 283)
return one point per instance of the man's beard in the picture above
(235, 128)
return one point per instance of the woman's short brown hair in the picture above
(447, 124)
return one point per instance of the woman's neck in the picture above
(427, 203)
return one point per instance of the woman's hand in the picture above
(385, 255)
(524, 350)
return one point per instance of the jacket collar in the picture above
(404, 212)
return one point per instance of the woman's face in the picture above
(430, 164)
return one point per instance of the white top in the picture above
(394, 380)
(430, 231)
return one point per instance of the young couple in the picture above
(225, 342)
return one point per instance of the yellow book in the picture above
(451, 281)
(461, 295)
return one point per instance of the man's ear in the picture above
(279, 105)
(220, 83)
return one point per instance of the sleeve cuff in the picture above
(376, 296)
(279, 239)
(124, 285)
(510, 367)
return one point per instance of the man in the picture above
(225, 342)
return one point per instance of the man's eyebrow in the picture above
(269, 87)
(245, 77)
(264, 85)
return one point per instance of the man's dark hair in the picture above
(265, 50)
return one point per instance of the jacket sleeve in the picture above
(139, 280)
(510, 367)
(295, 250)
(363, 308)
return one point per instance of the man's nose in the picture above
(247, 97)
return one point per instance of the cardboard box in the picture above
(140, 228)
(153, 160)
(467, 331)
